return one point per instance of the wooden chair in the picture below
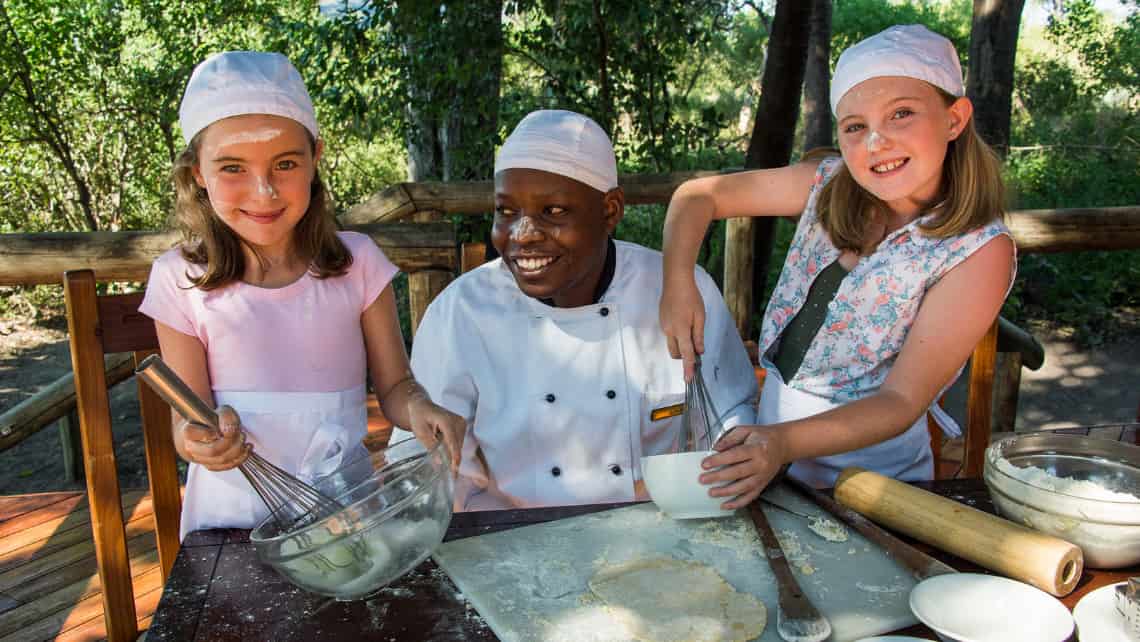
(979, 404)
(1021, 350)
(100, 325)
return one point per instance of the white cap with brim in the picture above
(236, 83)
(911, 51)
(561, 142)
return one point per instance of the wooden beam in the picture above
(400, 202)
(54, 402)
(1076, 230)
(33, 259)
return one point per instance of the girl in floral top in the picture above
(899, 264)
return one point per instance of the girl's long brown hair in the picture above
(209, 242)
(972, 195)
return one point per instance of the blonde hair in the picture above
(209, 242)
(972, 195)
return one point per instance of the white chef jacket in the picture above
(558, 401)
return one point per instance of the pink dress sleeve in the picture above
(166, 297)
(371, 269)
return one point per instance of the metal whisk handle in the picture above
(290, 501)
(175, 392)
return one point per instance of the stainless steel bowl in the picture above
(1108, 531)
(397, 505)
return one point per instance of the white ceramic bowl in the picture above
(673, 486)
(972, 607)
(1108, 532)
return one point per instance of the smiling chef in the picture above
(553, 352)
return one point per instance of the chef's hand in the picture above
(751, 457)
(683, 322)
(429, 421)
(212, 448)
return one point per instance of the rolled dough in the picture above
(670, 600)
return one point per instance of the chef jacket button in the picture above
(610, 394)
(550, 398)
(615, 469)
(604, 312)
(556, 471)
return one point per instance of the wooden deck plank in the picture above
(59, 532)
(18, 511)
(59, 595)
(61, 558)
(86, 610)
(69, 510)
(96, 629)
(48, 569)
(85, 569)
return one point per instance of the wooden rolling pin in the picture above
(1051, 564)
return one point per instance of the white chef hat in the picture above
(561, 142)
(912, 51)
(234, 83)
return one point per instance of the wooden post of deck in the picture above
(425, 284)
(738, 266)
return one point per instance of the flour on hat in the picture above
(561, 142)
(235, 83)
(911, 51)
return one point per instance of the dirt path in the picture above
(1074, 387)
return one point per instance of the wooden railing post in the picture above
(70, 442)
(738, 261)
(1007, 384)
(425, 284)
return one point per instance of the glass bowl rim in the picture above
(372, 520)
(994, 450)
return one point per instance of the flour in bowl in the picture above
(1042, 478)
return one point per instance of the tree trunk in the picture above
(453, 107)
(605, 95)
(472, 123)
(425, 158)
(817, 78)
(773, 133)
(993, 46)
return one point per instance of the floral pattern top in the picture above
(867, 322)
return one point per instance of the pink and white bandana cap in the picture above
(561, 142)
(235, 83)
(911, 51)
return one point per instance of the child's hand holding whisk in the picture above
(215, 450)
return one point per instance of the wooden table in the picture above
(218, 590)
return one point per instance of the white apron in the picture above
(307, 434)
(906, 457)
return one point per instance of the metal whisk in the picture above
(292, 503)
(700, 423)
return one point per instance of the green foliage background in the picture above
(89, 91)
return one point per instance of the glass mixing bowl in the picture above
(397, 505)
(1106, 527)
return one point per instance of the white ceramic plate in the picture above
(1097, 617)
(891, 638)
(972, 607)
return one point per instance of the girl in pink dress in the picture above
(899, 264)
(265, 308)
